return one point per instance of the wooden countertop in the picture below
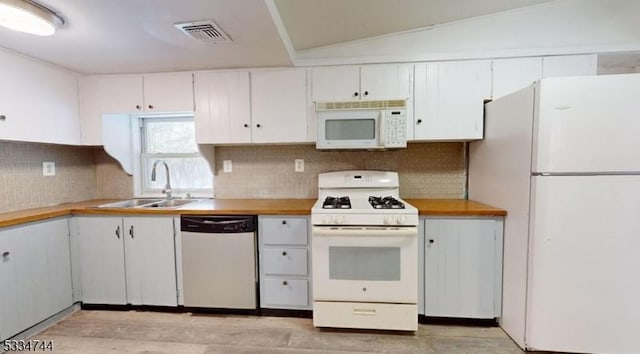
(454, 207)
(449, 207)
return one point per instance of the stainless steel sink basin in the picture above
(131, 203)
(150, 203)
(171, 203)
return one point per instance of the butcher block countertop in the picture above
(447, 207)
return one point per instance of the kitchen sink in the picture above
(150, 203)
(131, 203)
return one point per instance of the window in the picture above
(172, 140)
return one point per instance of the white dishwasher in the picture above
(219, 261)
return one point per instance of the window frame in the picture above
(143, 189)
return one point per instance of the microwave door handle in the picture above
(381, 129)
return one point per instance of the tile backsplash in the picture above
(426, 170)
(23, 186)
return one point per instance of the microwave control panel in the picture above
(395, 129)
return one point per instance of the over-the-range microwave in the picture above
(371, 125)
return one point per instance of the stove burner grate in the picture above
(336, 203)
(385, 203)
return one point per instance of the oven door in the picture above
(365, 264)
(348, 129)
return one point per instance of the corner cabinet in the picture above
(131, 94)
(284, 262)
(449, 100)
(35, 272)
(462, 258)
(128, 260)
(38, 101)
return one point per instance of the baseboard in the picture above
(43, 325)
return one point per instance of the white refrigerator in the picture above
(563, 158)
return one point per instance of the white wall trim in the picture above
(282, 30)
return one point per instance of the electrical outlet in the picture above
(227, 166)
(299, 165)
(48, 168)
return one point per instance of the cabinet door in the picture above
(10, 321)
(279, 106)
(39, 102)
(150, 261)
(449, 100)
(172, 92)
(101, 248)
(223, 110)
(386, 81)
(119, 94)
(510, 75)
(460, 268)
(335, 83)
(570, 65)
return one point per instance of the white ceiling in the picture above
(314, 23)
(138, 36)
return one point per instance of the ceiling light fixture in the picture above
(28, 17)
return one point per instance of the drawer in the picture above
(283, 230)
(286, 292)
(402, 317)
(287, 261)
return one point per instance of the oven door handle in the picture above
(364, 231)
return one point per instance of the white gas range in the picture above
(365, 253)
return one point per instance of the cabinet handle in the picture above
(431, 241)
(419, 121)
(118, 231)
(284, 253)
(138, 107)
(6, 254)
(150, 106)
(366, 93)
(284, 222)
(131, 231)
(246, 125)
(364, 289)
(285, 283)
(258, 125)
(3, 117)
(355, 94)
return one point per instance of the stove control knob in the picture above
(326, 220)
(388, 220)
(340, 220)
(401, 220)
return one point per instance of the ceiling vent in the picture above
(204, 31)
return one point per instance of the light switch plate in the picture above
(48, 168)
(227, 166)
(299, 165)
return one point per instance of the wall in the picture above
(427, 170)
(111, 180)
(22, 185)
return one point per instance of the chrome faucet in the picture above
(167, 187)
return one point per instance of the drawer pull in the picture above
(284, 253)
(285, 283)
(364, 312)
(6, 254)
(364, 289)
(284, 222)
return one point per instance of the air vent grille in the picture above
(327, 106)
(204, 31)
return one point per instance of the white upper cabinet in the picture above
(510, 75)
(449, 99)
(131, 94)
(223, 107)
(279, 106)
(570, 65)
(38, 101)
(367, 82)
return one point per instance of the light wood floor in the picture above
(154, 332)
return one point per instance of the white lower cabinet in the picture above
(462, 267)
(35, 273)
(128, 260)
(284, 262)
